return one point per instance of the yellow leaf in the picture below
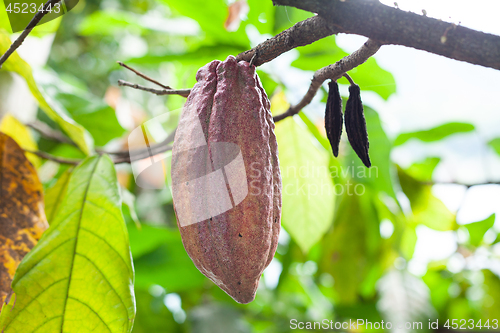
(15, 64)
(20, 133)
(279, 104)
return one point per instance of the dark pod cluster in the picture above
(355, 123)
(333, 117)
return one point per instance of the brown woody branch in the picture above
(49, 133)
(159, 92)
(124, 156)
(468, 185)
(50, 157)
(118, 157)
(300, 34)
(333, 72)
(389, 25)
(144, 76)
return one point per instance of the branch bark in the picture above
(389, 25)
(300, 34)
(159, 92)
(333, 72)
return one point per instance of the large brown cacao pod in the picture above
(226, 181)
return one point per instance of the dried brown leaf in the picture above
(22, 216)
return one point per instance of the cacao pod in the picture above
(333, 116)
(355, 125)
(226, 182)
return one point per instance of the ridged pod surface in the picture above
(355, 125)
(333, 116)
(226, 120)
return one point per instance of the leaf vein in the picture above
(106, 279)
(95, 312)
(111, 247)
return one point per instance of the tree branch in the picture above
(50, 157)
(158, 148)
(34, 21)
(300, 34)
(333, 72)
(389, 25)
(144, 76)
(49, 133)
(468, 185)
(159, 92)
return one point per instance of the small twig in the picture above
(155, 148)
(53, 158)
(49, 133)
(461, 184)
(144, 76)
(333, 72)
(349, 79)
(142, 154)
(120, 156)
(34, 21)
(180, 92)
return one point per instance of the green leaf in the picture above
(423, 170)
(352, 246)
(380, 175)
(408, 242)
(478, 229)
(98, 118)
(211, 20)
(55, 194)
(4, 19)
(85, 108)
(490, 309)
(426, 208)
(439, 281)
(323, 140)
(108, 23)
(319, 54)
(268, 82)
(216, 318)
(436, 133)
(152, 314)
(198, 57)
(79, 277)
(15, 64)
(308, 191)
(495, 144)
(369, 75)
(261, 15)
(129, 203)
(286, 16)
